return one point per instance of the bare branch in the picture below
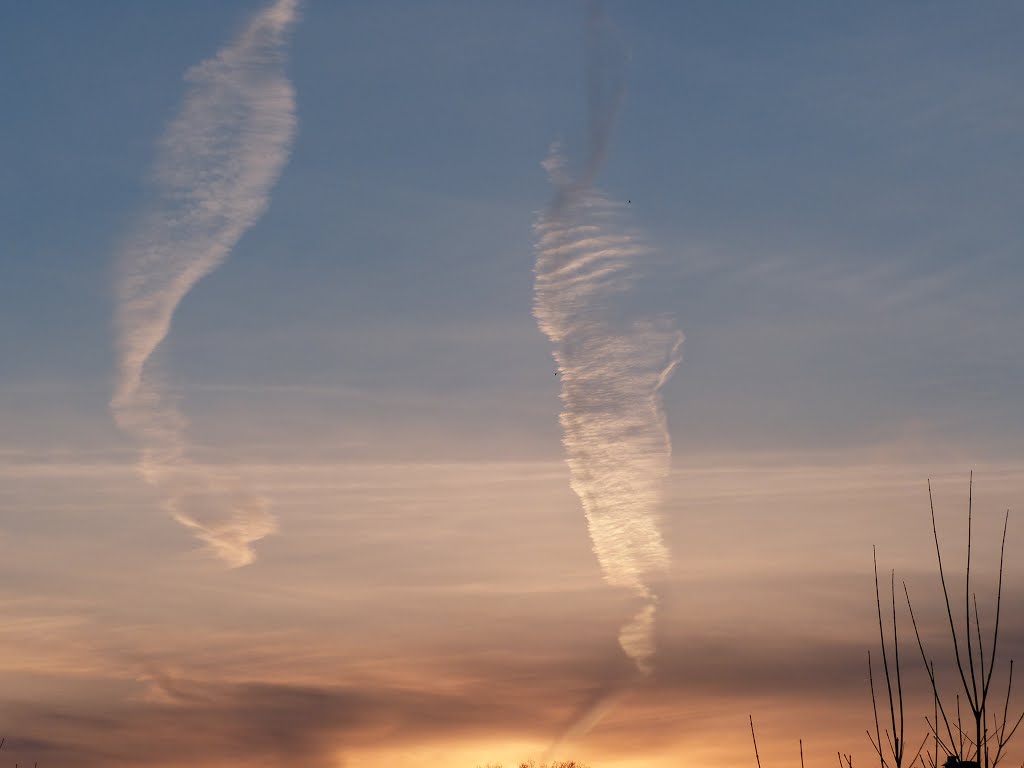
(918, 753)
(930, 667)
(999, 604)
(885, 662)
(935, 706)
(967, 597)
(959, 727)
(938, 740)
(1006, 704)
(758, 757)
(945, 592)
(981, 649)
(877, 743)
(1015, 727)
(899, 681)
(877, 748)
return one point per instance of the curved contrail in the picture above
(216, 164)
(612, 361)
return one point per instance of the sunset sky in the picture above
(394, 384)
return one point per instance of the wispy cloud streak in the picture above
(217, 162)
(612, 362)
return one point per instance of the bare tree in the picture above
(983, 745)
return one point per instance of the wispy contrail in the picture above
(612, 361)
(217, 162)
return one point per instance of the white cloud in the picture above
(217, 162)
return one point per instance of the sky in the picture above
(412, 384)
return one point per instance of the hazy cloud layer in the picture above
(217, 162)
(699, 695)
(375, 630)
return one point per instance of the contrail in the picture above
(216, 164)
(612, 361)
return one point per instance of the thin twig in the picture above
(755, 741)
(1014, 729)
(984, 697)
(945, 591)
(1006, 708)
(938, 740)
(874, 708)
(885, 661)
(878, 750)
(981, 649)
(931, 672)
(967, 596)
(899, 681)
(918, 753)
(999, 603)
(929, 666)
(959, 727)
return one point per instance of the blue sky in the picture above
(830, 195)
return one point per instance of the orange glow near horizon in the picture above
(482, 640)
